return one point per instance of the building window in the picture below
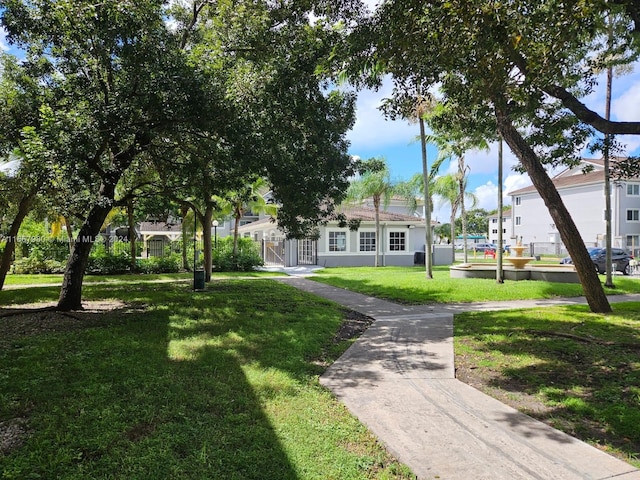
(633, 241)
(518, 220)
(337, 241)
(397, 241)
(367, 241)
(494, 231)
(518, 200)
(494, 220)
(633, 190)
(633, 215)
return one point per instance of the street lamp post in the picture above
(215, 233)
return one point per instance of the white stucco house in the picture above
(583, 195)
(401, 236)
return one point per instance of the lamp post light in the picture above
(215, 233)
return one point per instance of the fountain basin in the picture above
(519, 262)
(549, 272)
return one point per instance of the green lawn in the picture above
(409, 285)
(576, 370)
(175, 384)
(129, 278)
(224, 383)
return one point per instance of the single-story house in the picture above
(401, 236)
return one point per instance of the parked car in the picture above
(481, 247)
(619, 257)
(569, 261)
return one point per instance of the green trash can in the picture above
(198, 280)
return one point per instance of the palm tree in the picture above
(455, 145)
(375, 183)
(447, 188)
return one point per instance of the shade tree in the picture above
(506, 64)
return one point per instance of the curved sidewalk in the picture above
(398, 378)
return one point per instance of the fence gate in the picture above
(273, 253)
(307, 251)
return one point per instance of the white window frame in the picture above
(635, 190)
(634, 213)
(371, 235)
(518, 200)
(630, 241)
(518, 221)
(402, 239)
(335, 234)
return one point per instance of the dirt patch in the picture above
(510, 393)
(13, 434)
(353, 325)
(35, 319)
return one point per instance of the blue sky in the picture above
(373, 136)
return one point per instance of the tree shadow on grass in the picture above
(112, 401)
(581, 365)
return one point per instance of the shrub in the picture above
(101, 263)
(248, 257)
(168, 264)
(37, 265)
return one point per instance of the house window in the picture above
(633, 190)
(337, 241)
(397, 242)
(494, 220)
(495, 230)
(633, 215)
(633, 241)
(518, 200)
(518, 220)
(367, 241)
(504, 230)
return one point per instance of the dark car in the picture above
(569, 261)
(481, 247)
(619, 258)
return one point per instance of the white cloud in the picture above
(371, 129)
(3, 40)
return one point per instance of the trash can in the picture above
(198, 280)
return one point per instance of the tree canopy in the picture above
(519, 68)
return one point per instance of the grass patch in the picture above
(40, 279)
(573, 369)
(175, 384)
(408, 285)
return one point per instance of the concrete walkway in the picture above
(399, 380)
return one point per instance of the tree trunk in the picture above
(376, 207)
(499, 249)
(452, 229)
(236, 224)
(570, 235)
(207, 245)
(184, 210)
(427, 203)
(71, 292)
(10, 246)
(463, 211)
(132, 235)
(607, 184)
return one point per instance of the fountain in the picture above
(518, 261)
